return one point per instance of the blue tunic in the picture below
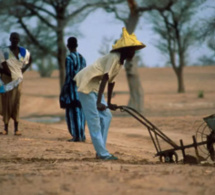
(74, 115)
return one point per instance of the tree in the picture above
(130, 17)
(207, 33)
(53, 17)
(177, 34)
(45, 62)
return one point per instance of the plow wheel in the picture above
(171, 157)
(205, 133)
(211, 145)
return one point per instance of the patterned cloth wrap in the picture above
(15, 65)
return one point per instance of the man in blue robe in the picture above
(74, 114)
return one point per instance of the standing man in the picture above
(74, 113)
(91, 82)
(14, 62)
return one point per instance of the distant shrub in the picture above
(201, 94)
(45, 67)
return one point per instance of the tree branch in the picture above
(104, 5)
(33, 9)
(155, 7)
(33, 39)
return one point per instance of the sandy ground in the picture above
(42, 162)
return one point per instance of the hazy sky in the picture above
(99, 25)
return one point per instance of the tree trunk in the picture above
(61, 52)
(135, 87)
(61, 63)
(178, 70)
(180, 78)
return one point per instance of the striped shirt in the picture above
(74, 63)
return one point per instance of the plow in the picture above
(203, 142)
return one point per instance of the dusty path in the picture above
(42, 162)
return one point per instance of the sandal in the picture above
(4, 132)
(17, 133)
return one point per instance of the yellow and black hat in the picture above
(127, 40)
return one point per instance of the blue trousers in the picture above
(98, 121)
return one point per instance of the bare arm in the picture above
(27, 66)
(101, 106)
(5, 69)
(110, 90)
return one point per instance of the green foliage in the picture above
(206, 35)
(45, 24)
(207, 61)
(176, 30)
(201, 94)
(46, 66)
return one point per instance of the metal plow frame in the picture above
(170, 155)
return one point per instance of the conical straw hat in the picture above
(127, 41)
